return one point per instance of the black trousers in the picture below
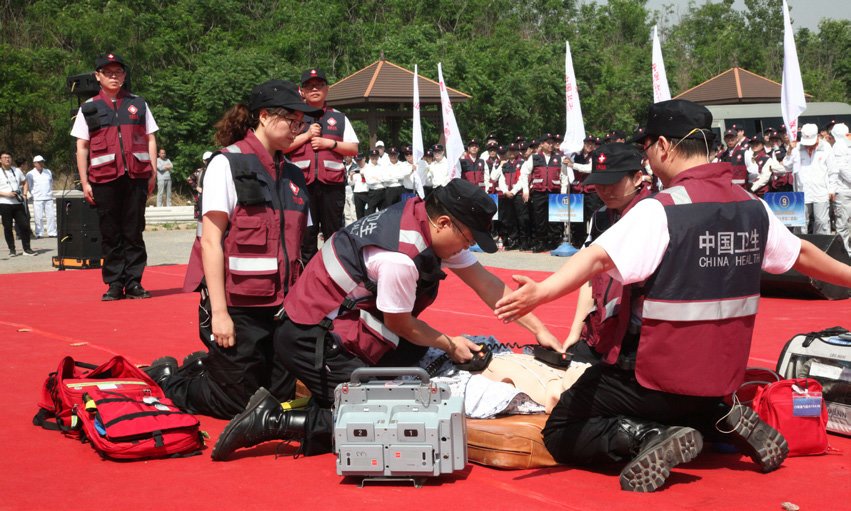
(232, 375)
(121, 212)
(17, 214)
(377, 200)
(544, 231)
(327, 202)
(582, 426)
(392, 195)
(361, 200)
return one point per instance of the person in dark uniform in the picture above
(358, 305)
(689, 352)
(254, 209)
(581, 165)
(319, 153)
(545, 174)
(116, 151)
(472, 168)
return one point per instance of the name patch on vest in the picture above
(726, 249)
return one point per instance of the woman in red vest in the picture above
(254, 214)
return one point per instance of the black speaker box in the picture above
(75, 214)
(795, 285)
(79, 229)
(83, 86)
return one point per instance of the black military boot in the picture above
(655, 450)
(193, 363)
(762, 443)
(161, 369)
(262, 420)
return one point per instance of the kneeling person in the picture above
(357, 305)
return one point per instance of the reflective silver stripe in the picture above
(678, 194)
(100, 160)
(198, 230)
(333, 165)
(610, 308)
(373, 323)
(233, 148)
(335, 269)
(738, 181)
(413, 238)
(142, 156)
(701, 311)
(537, 180)
(253, 264)
(302, 164)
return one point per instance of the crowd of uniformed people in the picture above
(275, 306)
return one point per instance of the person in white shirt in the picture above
(841, 182)
(373, 177)
(40, 183)
(164, 168)
(812, 168)
(763, 167)
(360, 190)
(383, 158)
(13, 190)
(395, 171)
(439, 168)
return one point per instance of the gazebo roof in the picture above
(736, 85)
(384, 82)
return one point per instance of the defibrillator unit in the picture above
(398, 428)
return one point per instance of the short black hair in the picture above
(690, 147)
(435, 208)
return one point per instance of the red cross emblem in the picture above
(294, 188)
(312, 72)
(132, 109)
(110, 56)
(331, 122)
(601, 158)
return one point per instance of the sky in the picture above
(805, 13)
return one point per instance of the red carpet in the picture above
(48, 315)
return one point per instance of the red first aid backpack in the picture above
(118, 409)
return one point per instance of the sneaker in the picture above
(12, 253)
(652, 466)
(136, 292)
(762, 443)
(29, 252)
(115, 292)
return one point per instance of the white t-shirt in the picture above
(11, 180)
(396, 277)
(349, 134)
(638, 241)
(41, 184)
(81, 129)
(219, 190)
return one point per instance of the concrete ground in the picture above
(170, 233)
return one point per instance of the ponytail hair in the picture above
(234, 125)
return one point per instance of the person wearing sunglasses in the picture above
(359, 303)
(319, 153)
(254, 209)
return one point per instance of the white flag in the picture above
(454, 144)
(574, 128)
(417, 142)
(792, 100)
(661, 92)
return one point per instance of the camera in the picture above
(19, 196)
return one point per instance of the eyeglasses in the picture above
(112, 74)
(467, 240)
(648, 146)
(296, 125)
(314, 85)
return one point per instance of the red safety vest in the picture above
(262, 245)
(473, 170)
(118, 142)
(545, 177)
(606, 326)
(699, 305)
(329, 280)
(325, 165)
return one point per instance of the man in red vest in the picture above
(319, 153)
(693, 255)
(116, 148)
